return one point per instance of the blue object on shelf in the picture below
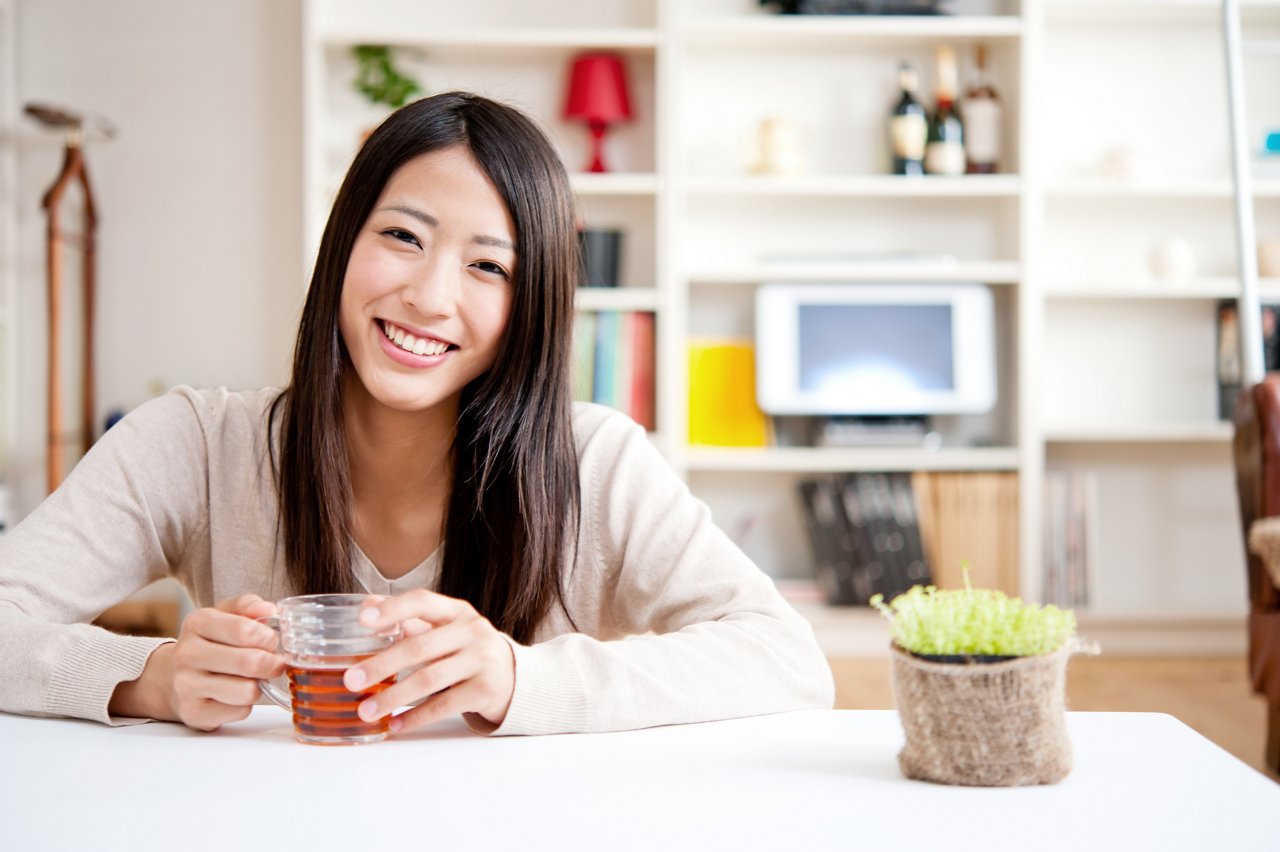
(1271, 145)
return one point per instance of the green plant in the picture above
(377, 78)
(930, 621)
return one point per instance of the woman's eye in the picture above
(490, 267)
(401, 235)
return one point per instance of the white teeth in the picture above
(409, 343)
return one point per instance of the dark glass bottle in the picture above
(908, 126)
(944, 149)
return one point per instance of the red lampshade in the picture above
(598, 89)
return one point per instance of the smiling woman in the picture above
(543, 568)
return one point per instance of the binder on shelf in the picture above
(722, 395)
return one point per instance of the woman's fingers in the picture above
(220, 655)
(410, 651)
(235, 630)
(209, 715)
(216, 658)
(442, 705)
(250, 606)
(429, 607)
(427, 681)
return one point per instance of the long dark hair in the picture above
(512, 514)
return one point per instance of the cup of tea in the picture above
(321, 637)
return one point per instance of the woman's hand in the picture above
(467, 666)
(220, 655)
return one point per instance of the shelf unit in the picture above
(1130, 356)
(1063, 248)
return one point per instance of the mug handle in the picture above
(274, 693)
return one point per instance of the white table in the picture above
(797, 781)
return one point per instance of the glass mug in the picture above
(321, 637)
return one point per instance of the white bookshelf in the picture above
(1102, 367)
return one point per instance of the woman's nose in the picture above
(433, 290)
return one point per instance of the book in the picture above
(970, 518)
(584, 355)
(1070, 536)
(603, 387)
(614, 362)
(642, 405)
(722, 395)
(916, 565)
(832, 543)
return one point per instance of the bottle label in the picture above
(944, 158)
(907, 134)
(982, 130)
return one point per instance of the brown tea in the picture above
(324, 711)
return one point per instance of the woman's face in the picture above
(428, 285)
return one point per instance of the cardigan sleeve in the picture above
(118, 522)
(687, 628)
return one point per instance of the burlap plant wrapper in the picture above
(984, 724)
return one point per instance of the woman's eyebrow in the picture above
(424, 218)
(495, 242)
(433, 222)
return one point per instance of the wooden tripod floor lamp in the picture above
(57, 239)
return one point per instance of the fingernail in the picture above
(370, 615)
(355, 679)
(368, 710)
(395, 724)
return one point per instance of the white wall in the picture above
(201, 270)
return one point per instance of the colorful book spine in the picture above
(614, 362)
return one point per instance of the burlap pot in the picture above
(983, 724)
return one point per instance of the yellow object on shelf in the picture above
(722, 395)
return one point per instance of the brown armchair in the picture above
(1257, 464)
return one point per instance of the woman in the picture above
(550, 572)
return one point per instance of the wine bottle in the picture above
(908, 126)
(983, 121)
(944, 148)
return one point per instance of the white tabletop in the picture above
(796, 781)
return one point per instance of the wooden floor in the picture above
(1211, 695)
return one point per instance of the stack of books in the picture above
(886, 532)
(865, 534)
(1070, 536)
(969, 521)
(613, 354)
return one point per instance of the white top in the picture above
(810, 780)
(670, 621)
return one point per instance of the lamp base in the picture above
(597, 146)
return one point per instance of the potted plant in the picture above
(979, 679)
(378, 79)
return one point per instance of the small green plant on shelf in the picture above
(379, 80)
(973, 623)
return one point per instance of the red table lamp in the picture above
(598, 96)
